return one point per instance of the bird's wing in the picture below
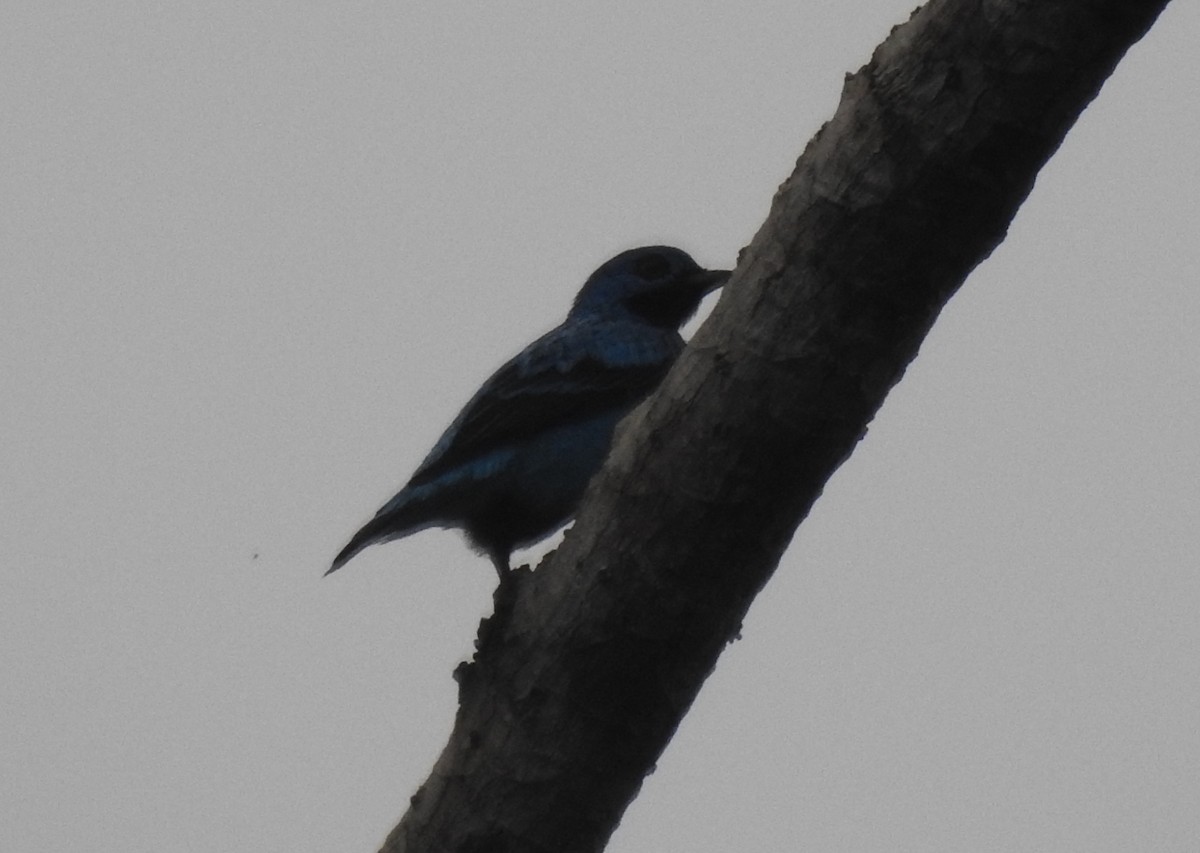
(572, 373)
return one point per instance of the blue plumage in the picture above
(513, 465)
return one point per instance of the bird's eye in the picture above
(650, 267)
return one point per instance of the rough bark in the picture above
(589, 663)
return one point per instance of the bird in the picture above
(513, 465)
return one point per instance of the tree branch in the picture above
(588, 664)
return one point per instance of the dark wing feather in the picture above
(581, 369)
(515, 406)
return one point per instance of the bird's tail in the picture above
(404, 514)
(373, 531)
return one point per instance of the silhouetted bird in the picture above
(513, 465)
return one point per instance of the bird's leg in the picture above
(500, 561)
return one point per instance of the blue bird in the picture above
(513, 465)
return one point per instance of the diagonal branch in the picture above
(588, 665)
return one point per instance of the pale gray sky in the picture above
(255, 257)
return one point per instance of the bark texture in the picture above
(588, 664)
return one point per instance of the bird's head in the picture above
(659, 285)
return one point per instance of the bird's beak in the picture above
(710, 280)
